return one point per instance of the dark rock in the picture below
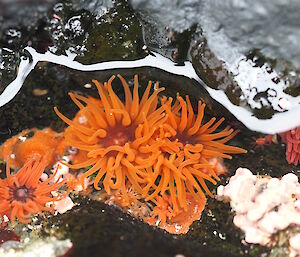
(97, 229)
(247, 49)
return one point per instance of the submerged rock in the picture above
(94, 31)
(20, 22)
(241, 26)
(241, 48)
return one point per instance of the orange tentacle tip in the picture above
(23, 194)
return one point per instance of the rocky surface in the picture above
(226, 54)
(247, 49)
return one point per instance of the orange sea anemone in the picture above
(118, 198)
(112, 133)
(175, 222)
(23, 194)
(6, 149)
(31, 144)
(186, 146)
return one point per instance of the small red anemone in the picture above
(292, 140)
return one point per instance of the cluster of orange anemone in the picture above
(150, 150)
(159, 147)
(23, 193)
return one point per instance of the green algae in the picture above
(117, 35)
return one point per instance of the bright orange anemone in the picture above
(32, 143)
(186, 146)
(175, 222)
(158, 150)
(113, 132)
(23, 194)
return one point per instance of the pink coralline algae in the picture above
(292, 140)
(263, 206)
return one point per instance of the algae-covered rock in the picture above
(96, 228)
(115, 35)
